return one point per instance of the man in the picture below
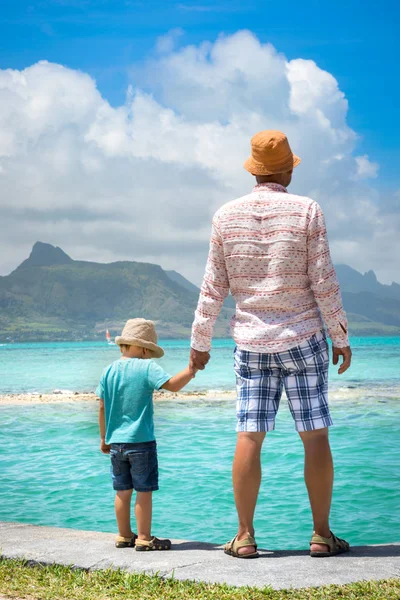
(270, 249)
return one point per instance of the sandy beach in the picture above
(337, 395)
(64, 397)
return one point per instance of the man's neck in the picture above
(272, 185)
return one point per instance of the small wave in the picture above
(360, 392)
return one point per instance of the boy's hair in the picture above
(124, 347)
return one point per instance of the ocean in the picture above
(51, 471)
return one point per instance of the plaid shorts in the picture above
(304, 373)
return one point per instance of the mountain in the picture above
(354, 282)
(182, 281)
(45, 255)
(50, 296)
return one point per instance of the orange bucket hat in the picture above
(270, 154)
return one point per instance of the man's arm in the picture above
(214, 290)
(105, 448)
(325, 287)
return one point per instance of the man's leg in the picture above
(246, 476)
(318, 475)
(123, 512)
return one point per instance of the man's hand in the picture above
(198, 360)
(346, 353)
(105, 448)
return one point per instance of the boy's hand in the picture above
(105, 448)
(192, 370)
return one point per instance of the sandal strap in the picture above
(149, 543)
(126, 540)
(235, 544)
(332, 542)
(339, 543)
(153, 542)
(319, 539)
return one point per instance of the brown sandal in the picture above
(231, 548)
(335, 544)
(123, 542)
(153, 544)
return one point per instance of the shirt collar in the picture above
(273, 187)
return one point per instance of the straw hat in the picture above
(142, 333)
(270, 154)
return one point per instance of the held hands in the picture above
(192, 371)
(346, 362)
(104, 448)
(198, 360)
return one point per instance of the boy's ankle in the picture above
(129, 536)
(145, 537)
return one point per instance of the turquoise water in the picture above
(77, 366)
(53, 474)
(51, 471)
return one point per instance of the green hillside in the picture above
(53, 297)
(77, 300)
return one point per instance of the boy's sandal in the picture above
(232, 548)
(153, 544)
(336, 545)
(123, 542)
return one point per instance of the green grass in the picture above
(19, 579)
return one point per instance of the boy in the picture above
(127, 429)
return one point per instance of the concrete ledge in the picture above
(196, 560)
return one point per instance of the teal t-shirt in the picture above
(127, 387)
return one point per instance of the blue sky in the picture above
(355, 40)
(83, 167)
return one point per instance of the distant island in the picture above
(52, 297)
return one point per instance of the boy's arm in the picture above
(177, 382)
(105, 448)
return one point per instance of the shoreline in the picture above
(337, 395)
(65, 397)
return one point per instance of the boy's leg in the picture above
(123, 512)
(144, 473)
(143, 513)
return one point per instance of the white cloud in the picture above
(365, 168)
(142, 180)
(166, 43)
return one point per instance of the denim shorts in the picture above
(134, 466)
(302, 371)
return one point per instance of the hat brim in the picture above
(256, 168)
(157, 351)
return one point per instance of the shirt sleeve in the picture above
(214, 290)
(100, 389)
(324, 282)
(157, 376)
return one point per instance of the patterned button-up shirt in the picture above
(270, 250)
